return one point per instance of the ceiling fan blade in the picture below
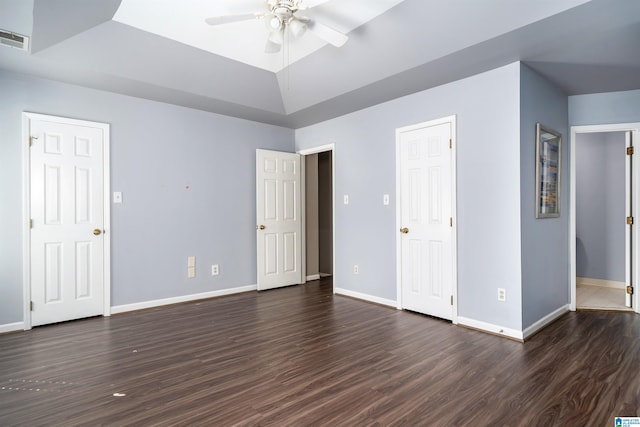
(227, 19)
(308, 4)
(327, 34)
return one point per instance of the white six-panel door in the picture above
(279, 224)
(426, 219)
(66, 235)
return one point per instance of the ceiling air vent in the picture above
(10, 39)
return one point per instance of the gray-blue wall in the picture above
(157, 151)
(604, 108)
(488, 190)
(545, 242)
(600, 205)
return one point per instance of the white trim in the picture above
(26, 210)
(491, 328)
(617, 127)
(325, 275)
(398, 225)
(11, 327)
(303, 216)
(182, 298)
(26, 231)
(313, 277)
(106, 170)
(454, 215)
(454, 232)
(322, 149)
(315, 150)
(588, 281)
(365, 297)
(546, 320)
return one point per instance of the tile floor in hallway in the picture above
(597, 297)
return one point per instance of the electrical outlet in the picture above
(502, 294)
(356, 269)
(215, 270)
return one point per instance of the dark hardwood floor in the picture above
(300, 356)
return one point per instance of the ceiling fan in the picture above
(281, 16)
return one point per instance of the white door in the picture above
(279, 224)
(426, 219)
(67, 220)
(628, 266)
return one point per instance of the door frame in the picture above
(454, 230)
(618, 127)
(26, 208)
(303, 153)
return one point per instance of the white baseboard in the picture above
(11, 327)
(587, 281)
(365, 297)
(491, 328)
(326, 274)
(545, 321)
(313, 277)
(183, 298)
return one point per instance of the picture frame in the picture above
(548, 172)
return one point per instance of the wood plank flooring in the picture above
(301, 356)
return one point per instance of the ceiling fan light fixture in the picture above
(271, 47)
(297, 28)
(276, 37)
(273, 22)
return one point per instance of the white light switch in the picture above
(117, 197)
(346, 199)
(385, 199)
(191, 267)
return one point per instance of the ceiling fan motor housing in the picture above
(281, 13)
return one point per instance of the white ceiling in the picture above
(582, 46)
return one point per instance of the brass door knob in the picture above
(97, 232)
(261, 227)
(404, 230)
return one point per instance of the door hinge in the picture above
(30, 223)
(450, 143)
(630, 151)
(30, 305)
(630, 290)
(450, 221)
(451, 299)
(629, 220)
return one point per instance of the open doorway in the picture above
(601, 198)
(319, 214)
(603, 233)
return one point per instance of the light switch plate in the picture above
(345, 198)
(385, 199)
(117, 197)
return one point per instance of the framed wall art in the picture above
(548, 172)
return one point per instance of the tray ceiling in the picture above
(394, 50)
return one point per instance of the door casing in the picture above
(635, 180)
(26, 210)
(454, 249)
